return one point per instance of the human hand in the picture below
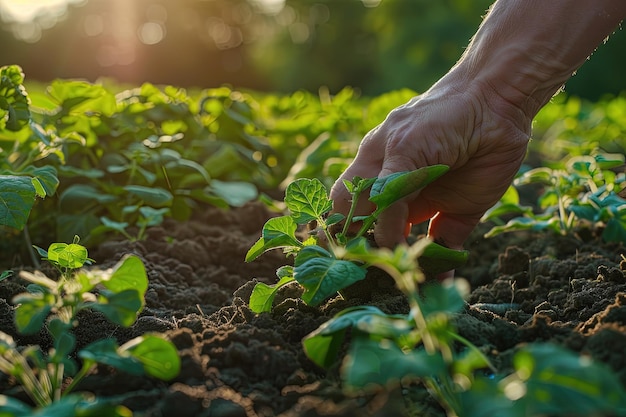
(480, 136)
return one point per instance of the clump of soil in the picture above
(236, 363)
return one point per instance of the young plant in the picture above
(324, 270)
(50, 378)
(586, 189)
(423, 347)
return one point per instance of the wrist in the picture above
(526, 50)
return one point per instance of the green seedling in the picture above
(324, 270)
(423, 347)
(49, 378)
(585, 190)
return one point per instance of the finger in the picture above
(392, 226)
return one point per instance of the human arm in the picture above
(477, 118)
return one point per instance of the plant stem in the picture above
(348, 221)
(84, 371)
(472, 347)
(31, 251)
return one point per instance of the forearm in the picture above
(525, 50)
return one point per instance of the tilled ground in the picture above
(569, 291)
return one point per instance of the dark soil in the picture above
(570, 291)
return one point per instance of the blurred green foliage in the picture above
(372, 46)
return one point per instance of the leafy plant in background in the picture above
(22, 142)
(585, 189)
(324, 270)
(118, 293)
(424, 347)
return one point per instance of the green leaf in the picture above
(32, 311)
(437, 259)
(120, 307)
(323, 344)
(158, 356)
(609, 160)
(71, 256)
(106, 352)
(12, 407)
(152, 216)
(45, 180)
(560, 382)
(440, 298)
(322, 277)
(129, 273)
(278, 232)
(371, 363)
(6, 274)
(235, 193)
(113, 225)
(154, 196)
(615, 230)
(525, 223)
(17, 196)
(263, 295)
(387, 190)
(307, 200)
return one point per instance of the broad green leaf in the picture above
(106, 352)
(32, 310)
(307, 200)
(81, 96)
(371, 363)
(17, 196)
(322, 277)
(128, 273)
(485, 398)
(235, 193)
(158, 356)
(441, 298)
(263, 295)
(58, 327)
(277, 232)
(120, 307)
(71, 256)
(560, 382)
(45, 180)
(334, 219)
(387, 190)
(154, 196)
(322, 345)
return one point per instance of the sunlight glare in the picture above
(23, 11)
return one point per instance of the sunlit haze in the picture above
(26, 10)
